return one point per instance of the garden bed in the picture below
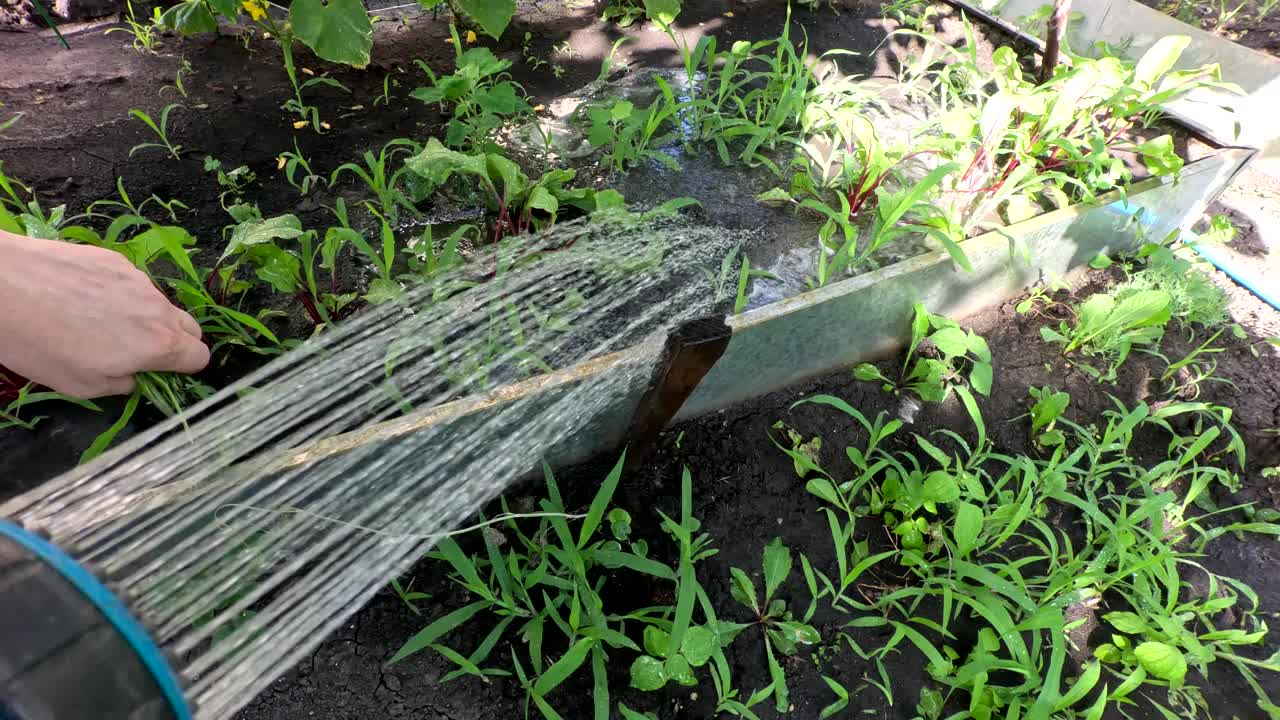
(784, 333)
(746, 492)
(230, 112)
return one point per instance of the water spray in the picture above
(180, 574)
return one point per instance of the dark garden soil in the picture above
(74, 143)
(746, 493)
(1246, 28)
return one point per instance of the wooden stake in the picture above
(1053, 41)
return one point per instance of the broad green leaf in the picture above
(1160, 156)
(663, 12)
(337, 30)
(1126, 622)
(823, 489)
(699, 645)
(868, 372)
(797, 633)
(619, 523)
(541, 199)
(968, 526)
(278, 268)
(951, 342)
(656, 641)
(776, 196)
(190, 17)
(1163, 661)
(743, 590)
(777, 566)
(492, 16)
(256, 232)
(648, 674)
(980, 377)
(678, 669)
(382, 290)
(1160, 58)
(501, 99)
(940, 487)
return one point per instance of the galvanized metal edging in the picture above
(860, 318)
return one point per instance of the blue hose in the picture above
(1226, 263)
(1223, 261)
(112, 609)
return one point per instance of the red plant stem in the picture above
(305, 298)
(11, 384)
(860, 197)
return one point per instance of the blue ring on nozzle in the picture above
(111, 608)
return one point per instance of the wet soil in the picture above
(746, 493)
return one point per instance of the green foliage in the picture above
(628, 135)
(377, 175)
(1048, 407)
(543, 587)
(144, 31)
(973, 538)
(479, 96)
(734, 274)
(161, 129)
(784, 634)
(1024, 147)
(297, 170)
(1109, 326)
(1193, 296)
(942, 350)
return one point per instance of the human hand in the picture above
(82, 320)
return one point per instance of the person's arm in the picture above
(82, 320)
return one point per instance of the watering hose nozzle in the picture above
(69, 647)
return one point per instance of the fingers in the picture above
(184, 354)
(189, 325)
(113, 386)
(98, 387)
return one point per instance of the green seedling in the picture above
(1193, 296)
(408, 595)
(21, 213)
(10, 122)
(298, 172)
(1048, 407)
(945, 351)
(127, 206)
(544, 587)
(145, 32)
(630, 136)
(623, 13)
(161, 129)
(743, 274)
(377, 175)
(1109, 327)
(385, 98)
(233, 182)
(479, 95)
(179, 78)
(784, 635)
